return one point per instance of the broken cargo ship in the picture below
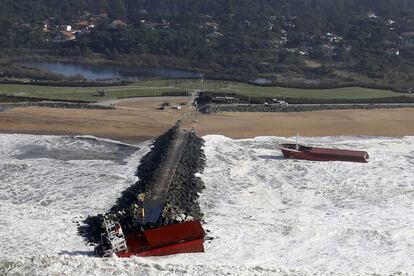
(157, 222)
(297, 151)
(185, 237)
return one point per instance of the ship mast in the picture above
(297, 136)
(202, 82)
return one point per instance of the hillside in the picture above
(342, 39)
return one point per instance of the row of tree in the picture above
(332, 11)
(246, 35)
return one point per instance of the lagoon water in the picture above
(93, 72)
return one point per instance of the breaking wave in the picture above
(265, 215)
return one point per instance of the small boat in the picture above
(298, 151)
(186, 237)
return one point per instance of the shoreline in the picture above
(141, 139)
(142, 121)
(126, 140)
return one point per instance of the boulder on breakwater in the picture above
(181, 203)
(4, 107)
(218, 108)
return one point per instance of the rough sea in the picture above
(265, 215)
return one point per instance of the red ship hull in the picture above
(323, 154)
(187, 237)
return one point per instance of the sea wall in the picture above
(70, 105)
(4, 107)
(218, 108)
(124, 210)
(182, 195)
(182, 198)
(147, 172)
(5, 98)
(207, 97)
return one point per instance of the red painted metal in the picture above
(323, 154)
(174, 233)
(184, 237)
(195, 246)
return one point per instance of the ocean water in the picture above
(265, 215)
(49, 184)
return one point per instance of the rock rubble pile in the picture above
(181, 203)
(218, 108)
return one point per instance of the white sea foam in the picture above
(49, 184)
(267, 215)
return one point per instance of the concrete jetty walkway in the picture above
(155, 201)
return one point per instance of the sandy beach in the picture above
(139, 120)
(380, 122)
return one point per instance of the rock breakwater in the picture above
(218, 108)
(4, 107)
(181, 203)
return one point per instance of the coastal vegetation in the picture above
(144, 89)
(300, 40)
(182, 87)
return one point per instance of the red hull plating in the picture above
(323, 154)
(187, 237)
(195, 246)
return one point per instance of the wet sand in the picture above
(140, 121)
(380, 122)
(124, 125)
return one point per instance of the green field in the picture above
(85, 93)
(149, 88)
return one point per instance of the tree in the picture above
(117, 9)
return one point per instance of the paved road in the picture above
(155, 201)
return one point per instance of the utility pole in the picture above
(202, 82)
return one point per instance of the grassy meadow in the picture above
(151, 88)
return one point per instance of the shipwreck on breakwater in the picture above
(159, 214)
